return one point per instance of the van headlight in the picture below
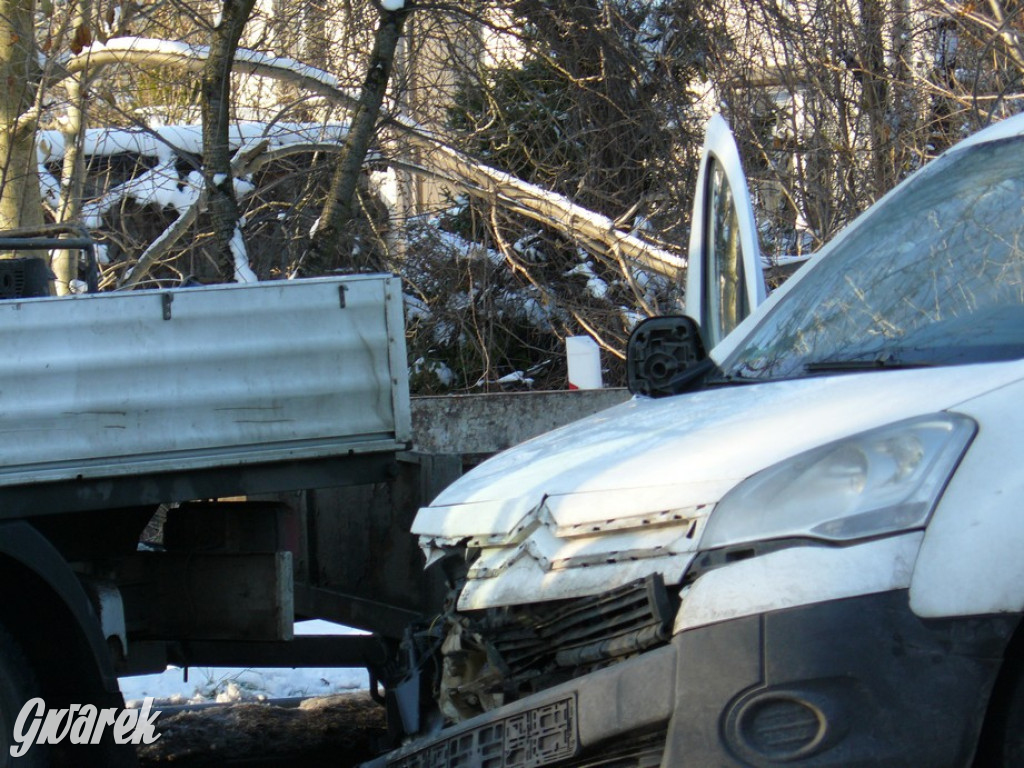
(878, 482)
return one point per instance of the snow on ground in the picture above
(226, 684)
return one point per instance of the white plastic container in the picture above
(584, 363)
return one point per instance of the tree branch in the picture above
(471, 175)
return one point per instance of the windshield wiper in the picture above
(886, 362)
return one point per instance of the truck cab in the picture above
(797, 544)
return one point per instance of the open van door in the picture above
(725, 278)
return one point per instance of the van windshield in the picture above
(935, 276)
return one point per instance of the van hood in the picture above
(625, 492)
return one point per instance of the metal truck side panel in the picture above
(398, 361)
(106, 385)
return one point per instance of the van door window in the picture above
(725, 278)
(725, 302)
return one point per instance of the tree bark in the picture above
(332, 242)
(72, 181)
(875, 101)
(216, 105)
(20, 202)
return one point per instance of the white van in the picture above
(805, 548)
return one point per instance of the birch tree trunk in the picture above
(72, 182)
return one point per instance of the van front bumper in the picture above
(854, 682)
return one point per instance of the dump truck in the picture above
(224, 419)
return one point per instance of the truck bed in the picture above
(112, 386)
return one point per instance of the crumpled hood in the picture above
(626, 492)
(707, 439)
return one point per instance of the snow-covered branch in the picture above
(149, 53)
(597, 232)
(240, 166)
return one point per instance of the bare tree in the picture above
(995, 30)
(216, 108)
(20, 203)
(332, 239)
(834, 103)
(69, 204)
(555, 142)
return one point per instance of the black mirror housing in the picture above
(660, 353)
(24, 278)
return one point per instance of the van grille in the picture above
(584, 633)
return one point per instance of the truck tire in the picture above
(17, 685)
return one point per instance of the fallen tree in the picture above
(594, 232)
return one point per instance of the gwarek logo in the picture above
(82, 724)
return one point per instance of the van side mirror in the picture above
(660, 354)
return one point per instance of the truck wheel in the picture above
(17, 685)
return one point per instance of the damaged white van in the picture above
(805, 548)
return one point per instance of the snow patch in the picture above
(437, 369)
(164, 185)
(243, 272)
(230, 684)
